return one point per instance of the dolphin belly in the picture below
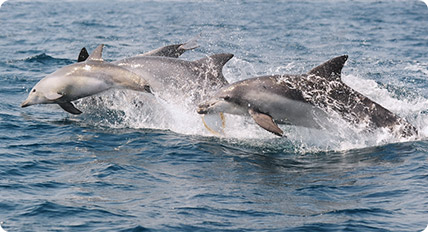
(288, 111)
(84, 87)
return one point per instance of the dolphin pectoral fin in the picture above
(69, 107)
(83, 55)
(331, 69)
(266, 122)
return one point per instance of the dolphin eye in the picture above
(226, 98)
(34, 90)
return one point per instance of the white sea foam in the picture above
(1, 229)
(1, 2)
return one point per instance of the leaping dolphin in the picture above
(176, 80)
(181, 82)
(303, 100)
(81, 80)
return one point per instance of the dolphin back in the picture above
(352, 105)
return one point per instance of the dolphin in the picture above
(183, 83)
(179, 81)
(83, 79)
(304, 100)
(176, 78)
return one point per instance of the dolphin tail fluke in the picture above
(331, 69)
(214, 64)
(266, 122)
(83, 55)
(191, 44)
(174, 50)
(70, 108)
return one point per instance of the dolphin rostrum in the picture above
(83, 79)
(303, 100)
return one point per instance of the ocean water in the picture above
(120, 167)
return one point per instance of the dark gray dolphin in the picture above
(303, 100)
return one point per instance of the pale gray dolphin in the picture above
(81, 80)
(180, 81)
(303, 100)
(174, 79)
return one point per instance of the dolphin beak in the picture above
(25, 103)
(203, 109)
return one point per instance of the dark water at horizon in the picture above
(117, 168)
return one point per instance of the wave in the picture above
(46, 59)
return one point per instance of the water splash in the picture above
(130, 109)
(1, 2)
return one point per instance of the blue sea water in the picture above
(118, 168)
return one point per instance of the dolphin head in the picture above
(50, 88)
(226, 100)
(37, 95)
(83, 79)
(214, 105)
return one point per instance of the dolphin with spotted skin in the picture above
(83, 79)
(303, 100)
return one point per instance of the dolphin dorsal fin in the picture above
(83, 55)
(97, 54)
(217, 59)
(215, 65)
(331, 69)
